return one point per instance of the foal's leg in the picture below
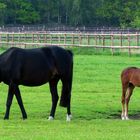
(19, 100)
(127, 99)
(54, 93)
(124, 89)
(9, 101)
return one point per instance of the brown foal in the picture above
(130, 78)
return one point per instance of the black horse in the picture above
(34, 67)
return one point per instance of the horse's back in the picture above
(34, 66)
(63, 58)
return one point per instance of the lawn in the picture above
(96, 104)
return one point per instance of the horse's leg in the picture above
(19, 100)
(54, 94)
(66, 89)
(9, 101)
(124, 89)
(127, 99)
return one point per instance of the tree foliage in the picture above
(123, 13)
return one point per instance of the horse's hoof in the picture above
(6, 118)
(123, 118)
(24, 118)
(50, 118)
(127, 118)
(68, 118)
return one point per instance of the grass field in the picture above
(96, 106)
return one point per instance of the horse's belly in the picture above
(35, 80)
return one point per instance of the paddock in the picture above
(96, 104)
(96, 91)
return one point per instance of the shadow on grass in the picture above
(135, 116)
(132, 116)
(108, 115)
(99, 115)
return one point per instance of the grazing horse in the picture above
(130, 78)
(35, 67)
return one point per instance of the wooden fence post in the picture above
(13, 40)
(7, 39)
(0, 40)
(45, 38)
(64, 39)
(88, 40)
(121, 39)
(103, 37)
(80, 39)
(96, 40)
(73, 39)
(33, 37)
(137, 38)
(59, 38)
(112, 44)
(129, 49)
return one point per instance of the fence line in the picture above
(112, 41)
(62, 28)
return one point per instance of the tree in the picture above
(75, 16)
(123, 13)
(26, 14)
(20, 12)
(2, 13)
(136, 20)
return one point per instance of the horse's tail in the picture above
(67, 83)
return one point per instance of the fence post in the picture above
(33, 37)
(96, 39)
(103, 37)
(18, 37)
(80, 39)
(129, 49)
(112, 44)
(64, 39)
(73, 39)
(137, 38)
(12, 39)
(88, 40)
(0, 40)
(7, 39)
(45, 38)
(50, 38)
(59, 38)
(121, 39)
(37, 38)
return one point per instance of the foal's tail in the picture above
(67, 83)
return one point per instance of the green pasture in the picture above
(96, 104)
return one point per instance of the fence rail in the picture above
(112, 41)
(61, 28)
